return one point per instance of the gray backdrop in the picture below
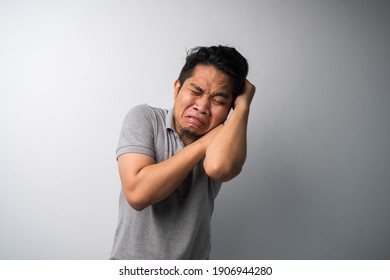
(316, 184)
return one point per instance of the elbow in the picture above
(137, 206)
(221, 172)
(136, 201)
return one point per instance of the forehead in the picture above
(211, 79)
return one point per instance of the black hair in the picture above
(225, 59)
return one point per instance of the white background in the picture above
(316, 184)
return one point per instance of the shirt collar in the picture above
(170, 120)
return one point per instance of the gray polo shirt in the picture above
(177, 227)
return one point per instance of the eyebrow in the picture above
(219, 93)
(197, 87)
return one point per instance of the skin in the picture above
(201, 107)
(202, 102)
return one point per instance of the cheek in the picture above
(220, 114)
(185, 101)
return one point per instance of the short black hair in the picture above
(225, 59)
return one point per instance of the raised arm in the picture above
(146, 182)
(226, 154)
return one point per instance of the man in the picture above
(172, 162)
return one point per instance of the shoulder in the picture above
(145, 118)
(147, 111)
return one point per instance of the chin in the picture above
(192, 134)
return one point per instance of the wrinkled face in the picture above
(202, 102)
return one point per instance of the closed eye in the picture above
(196, 93)
(218, 98)
(196, 89)
(219, 101)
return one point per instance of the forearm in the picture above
(154, 182)
(226, 154)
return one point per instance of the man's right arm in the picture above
(146, 182)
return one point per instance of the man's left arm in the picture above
(226, 154)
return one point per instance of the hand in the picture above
(245, 98)
(206, 139)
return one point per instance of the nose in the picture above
(202, 105)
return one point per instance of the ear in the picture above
(176, 89)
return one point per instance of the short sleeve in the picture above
(137, 132)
